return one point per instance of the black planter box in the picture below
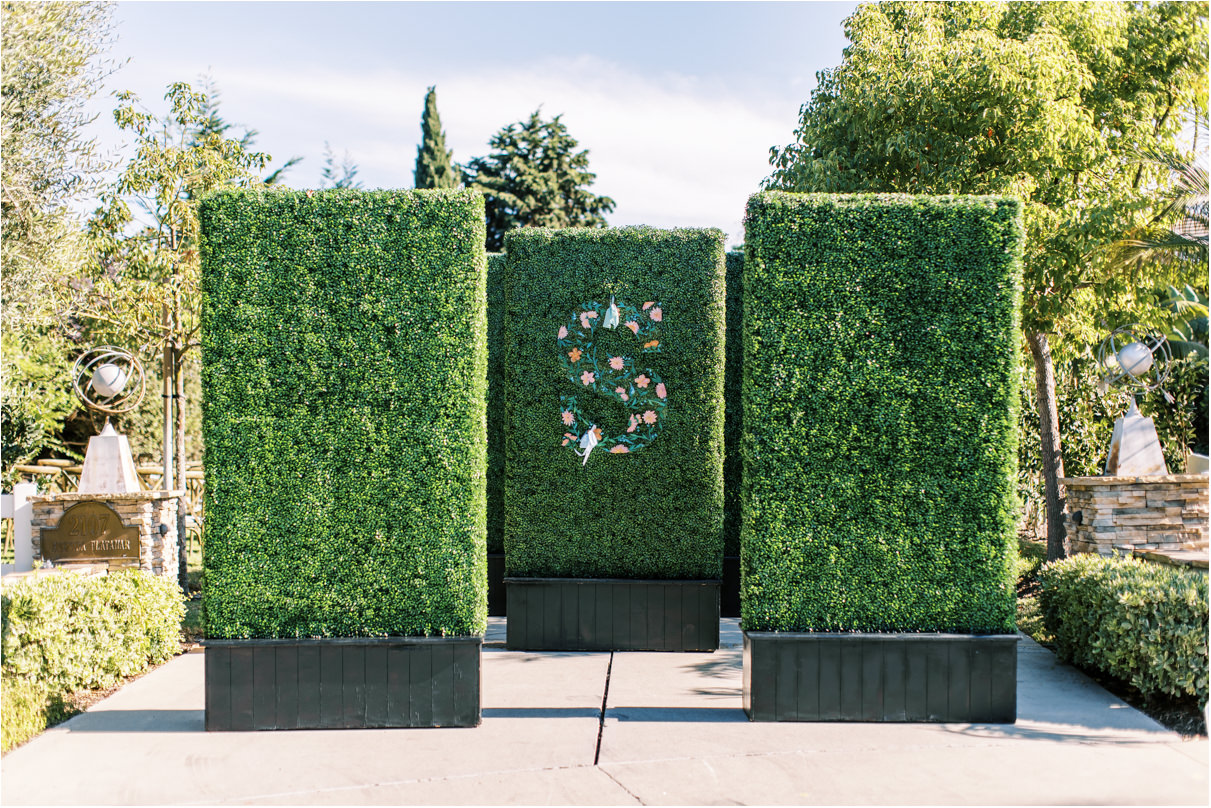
(880, 677)
(608, 614)
(496, 584)
(342, 683)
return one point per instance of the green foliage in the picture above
(68, 632)
(434, 163)
(344, 363)
(24, 714)
(496, 403)
(1143, 623)
(343, 176)
(1050, 102)
(535, 178)
(880, 412)
(733, 417)
(654, 513)
(52, 65)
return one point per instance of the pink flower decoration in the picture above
(585, 316)
(661, 391)
(616, 362)
(587, 377)
(649, 416)
(620, 449)
(656, 314)
(568, 418)
(648, 305)
(642, 380)
(563, 332)
(634, 326)
(634, 423)
(622, 393)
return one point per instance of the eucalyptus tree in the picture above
(1049, 101)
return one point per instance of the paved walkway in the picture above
(673, 733)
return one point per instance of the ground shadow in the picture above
(138, 721)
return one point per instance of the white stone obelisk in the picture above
(1135, 450)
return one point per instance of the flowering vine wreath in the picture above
(640, 390)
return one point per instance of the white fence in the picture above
(16, 506)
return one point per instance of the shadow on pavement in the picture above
(138, 721)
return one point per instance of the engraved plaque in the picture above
(90, 531)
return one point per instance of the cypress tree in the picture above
(434, 167)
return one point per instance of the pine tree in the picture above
(536, 178)
(434, 166)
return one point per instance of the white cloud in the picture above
(672, 150)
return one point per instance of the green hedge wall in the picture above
(880, 412)
(1143, 623)
(655, 512)
(344, 361)
(496, 403)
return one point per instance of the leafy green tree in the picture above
(1051, 102)
(213, 123)
(146, 293)
(434, 163)
(534, 177)
(342, 176)
(52, 59)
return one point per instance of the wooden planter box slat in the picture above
(342, 683)
(880, 677)
(582, 614)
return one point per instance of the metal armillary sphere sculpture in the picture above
(1139, 358)
(109, 380)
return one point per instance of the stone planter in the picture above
(141, 533)
(1166, 512)
(587, 614)
(343, 683)
(880, 677)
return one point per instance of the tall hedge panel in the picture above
(648, 502)
(344, 362)
(733, 422)
(880, 387)
(496, 403)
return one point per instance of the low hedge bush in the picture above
(344, 359)
(71, 632)
(880, 413)
(648, 503)
(1143, 623)
(66, 632)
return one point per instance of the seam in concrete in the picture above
(630, 793)
(605, 698)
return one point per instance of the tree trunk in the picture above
(184, 505)
(166, 400)
(1049, 431)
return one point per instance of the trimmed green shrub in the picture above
(67, 632)
(496, 403)
(1143, 623)
(880, 413)
(25, 712)
(647, 503)
(344, 364)
(733, 417)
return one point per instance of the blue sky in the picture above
(677, 102)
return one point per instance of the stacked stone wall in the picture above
(1166, 512)
(154, 513)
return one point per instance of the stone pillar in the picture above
(153, 513)
(1161, 512)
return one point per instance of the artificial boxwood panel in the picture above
(344, 362)
(880, 387)
(654, 512)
